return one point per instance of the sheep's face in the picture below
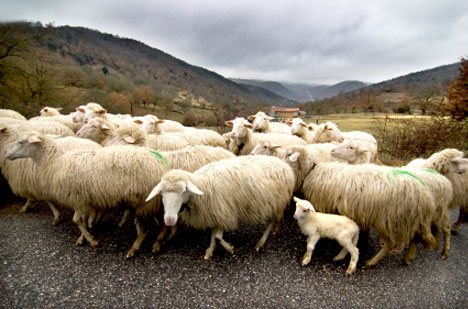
(331, 133)
(240, 127)
(79, 114)
(94, 130)
(50, 111)
(266, 149)
(348, 151)
(25, 147)
(303, 207)
(152, 124)
(458, 165)
(174, 195)
(260, 122)
(298, 126)
(94, 110)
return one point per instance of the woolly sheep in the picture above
(316, 225)
(261, 123)
(301, 129)
(50, 127)
(252, 189)
(98, 130)
(94, 180)
(352, 152)
(244, 140)
(395, 202)
(94, 110)
(50, 111)
(152, 124)
(451, 164)
(9, 113)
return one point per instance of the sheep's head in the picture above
(26, 145)
(151, 124)
(96, 130)
(303, 208)
(260, 122)
(448, 161)
(175, 188)
(94, 110)
(331, 133)
(266, 148)
(50, 111)
(349, 151)
(240, 128)
(298, 126)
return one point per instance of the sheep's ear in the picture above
(105, 127)
(310, 207)
(251, 117)
(248, 125)
(156, 190)
(273, 147)
(102, 111)
(228, 123)
(294, 157)
(34, 139)
(81, 110)
(159, 121)
(303, 124)
(129, 139)
(297, 200)
(270, 118)
(191, 187)
(138, 121)
(59, 108)
(362, 150)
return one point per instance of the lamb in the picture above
(244, 140)
(316, 225)
(395, 202)
(352, 152)
(446, 163)
(253, 197)
(90, 181)
(328, 132)
(9, 113)
(261, 123)
(301, 129)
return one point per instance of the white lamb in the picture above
(261, 123)
(316, 225)
(252, 189)
(301, 129)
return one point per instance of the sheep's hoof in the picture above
(207, 256)
(130, 254)
(257, 248)
(369, 264)
(94, 244)
(305, 262)
(408, 261)
(56, 221)
(444, 256)
(349, 272)
(23, 210)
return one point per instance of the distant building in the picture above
(285, 113)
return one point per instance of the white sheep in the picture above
(397, 203)
(316, 225)
(152, 124)
(90, 181)
(243, 140)
(50, 111)
(42, 125)
(352, 152)
(9, 113)
(451, 164)
(251, 189)
(261, 123)
(301, 129)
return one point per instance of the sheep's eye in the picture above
(350, 147)
(304, 210)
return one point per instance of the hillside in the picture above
(303, 92)
(80, 65)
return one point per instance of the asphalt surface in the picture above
(40, 266)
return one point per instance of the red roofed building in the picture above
(284, 113)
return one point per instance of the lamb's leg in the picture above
(264, 237)
(26, 206)
(461, 219)
(79, 220)
(209, 251)
(141, 235)
(354, 251)
(311, 242)
(55, 212)
(445, 222)
(125, 216)
(411, 254)
(383, 252)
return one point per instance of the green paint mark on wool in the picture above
(396, 171)
(161, 158)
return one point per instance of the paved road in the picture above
(41, 267)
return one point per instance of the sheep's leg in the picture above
(219, 236)
(311, 242)
(125, 216)
(55, 212)
(461, 219)
(141, 235)
(91, 218)
(354, 251)
(446, 231)
(264, 237)
(209, 251)
(26, 206)
(428, 238)
(411, 254)
(383, 252)
(79, 220)
(160, 239)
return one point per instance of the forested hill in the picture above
(72, 65)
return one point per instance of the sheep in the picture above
(244, 140)
(90, 181)
(152, 124)
(316, 225)
(395, 202)
(94, 110)
(328, 132)
(98, 130)
(50, 111)
(252, 189)
(352, 152)
(9, 113)
(301, 129)
(128, 133)
(66, 120)
(261, 123)
(46, 126)
(446, 162)
(22, 175)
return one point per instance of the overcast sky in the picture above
(324, 41)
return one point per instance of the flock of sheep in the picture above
(92, 162)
